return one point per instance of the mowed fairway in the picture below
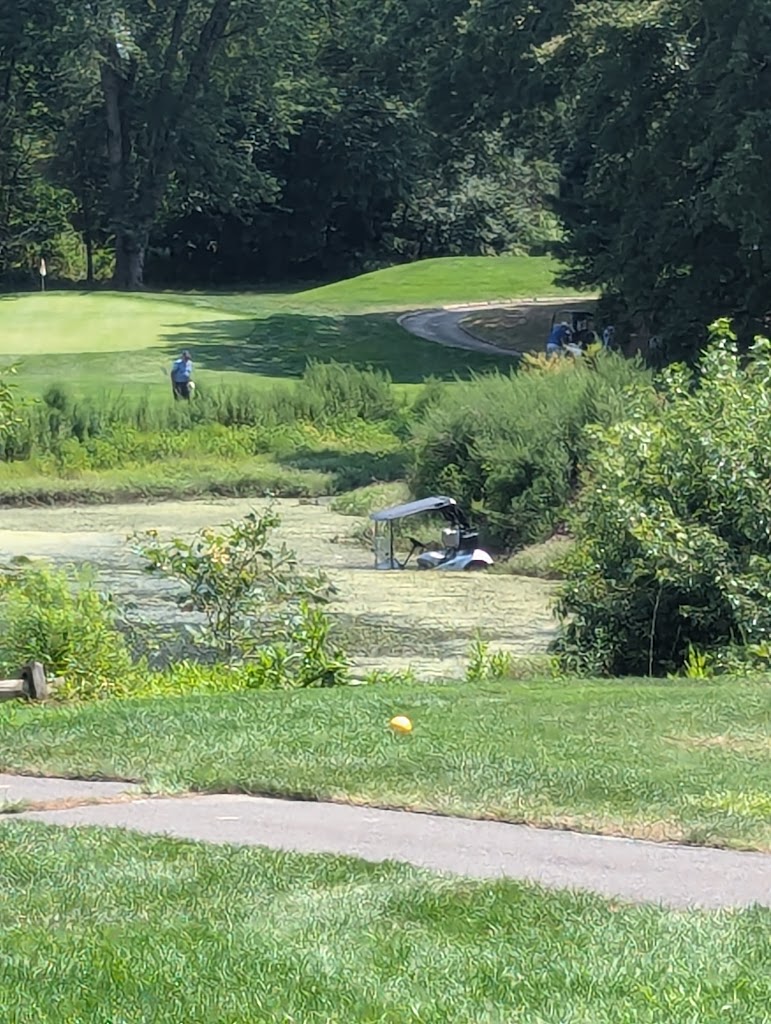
(92, 342)
(101, 927)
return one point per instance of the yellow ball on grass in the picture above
(401, 724)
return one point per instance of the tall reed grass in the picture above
(327, 394)
(510, 447)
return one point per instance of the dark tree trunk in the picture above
(89, 242)
(135, 197)
(129, 255)
(88, 236)
(130, 248)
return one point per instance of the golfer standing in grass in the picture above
(182, 376)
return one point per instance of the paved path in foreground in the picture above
(15, 789)
(642, 872)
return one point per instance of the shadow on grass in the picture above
(281, 346)
(350, 469)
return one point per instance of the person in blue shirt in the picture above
(560, 336)
(182, 376)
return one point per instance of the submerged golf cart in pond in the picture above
(459, 545)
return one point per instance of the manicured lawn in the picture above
(426, 284)
(95, 341)
(440, 282)
(687, 761)
(102, 926)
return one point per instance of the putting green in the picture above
(68, 322)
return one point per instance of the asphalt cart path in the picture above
(681, 877)
(445, 326)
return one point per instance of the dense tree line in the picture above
(218, 140)
(213, 141)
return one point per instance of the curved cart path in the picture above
(443, 326)
(681, 877)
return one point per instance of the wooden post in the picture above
(31, 685)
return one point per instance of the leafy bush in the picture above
(68, 624)
(8, 406)
(262, 618)
(510, 447)
(257, 603)
(332, 392)
(485, 665)
(430, 395)
(673, 528)
(305, 657)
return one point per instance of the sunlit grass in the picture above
(686, 761)
(103, 926)
(91, 341)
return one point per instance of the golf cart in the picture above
(459, 542)
(581, 323)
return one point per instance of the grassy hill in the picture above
(441, 282)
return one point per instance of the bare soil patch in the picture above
(758, 744)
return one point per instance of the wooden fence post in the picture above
(31, 684)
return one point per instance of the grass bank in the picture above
(103, 926)
(682, 761)
(25, 484)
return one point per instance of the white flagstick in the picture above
(43, 273)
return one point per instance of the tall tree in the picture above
(666, 132)
(164, 72)
(154, 66)
(31, 212)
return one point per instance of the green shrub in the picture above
(305, 657)
(671, 569)
(431, 394)
(257, 603)
(67, 623)
(262, 618)
(485, 665)
(510, 447)
(334, 392)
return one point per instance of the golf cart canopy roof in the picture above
(412, 508)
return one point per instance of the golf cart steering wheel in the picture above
(416, 543)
